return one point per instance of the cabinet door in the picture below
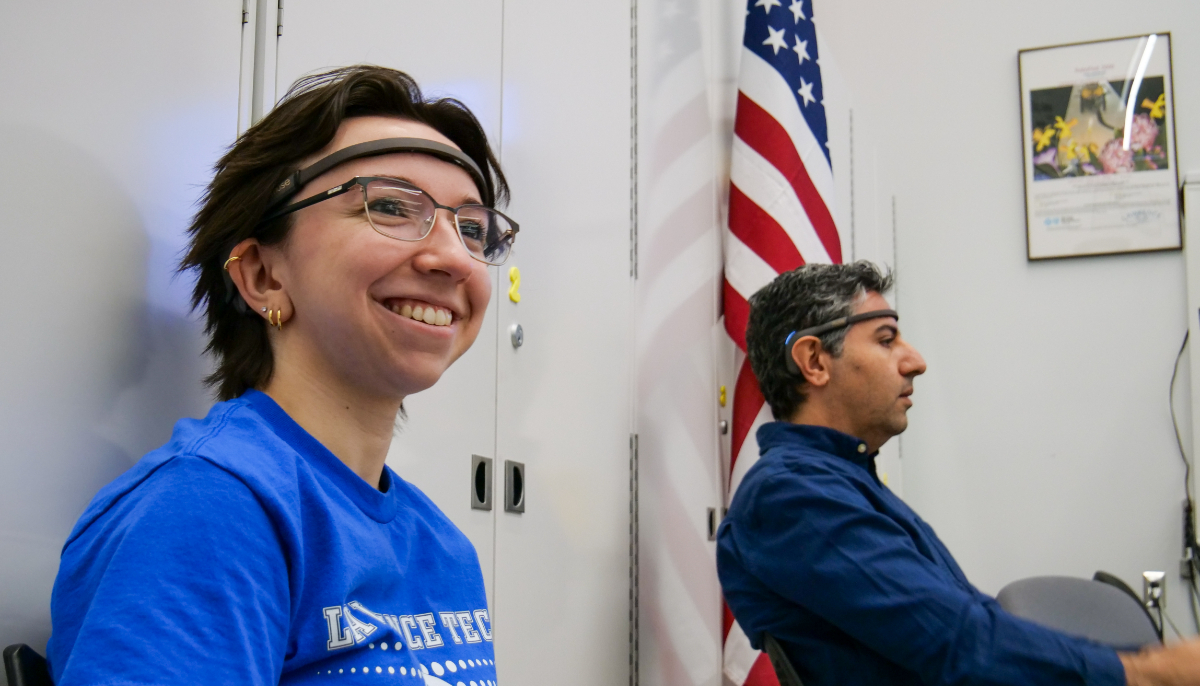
(562, 566)
(113, 115)
(450, 49)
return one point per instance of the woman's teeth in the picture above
(429, 314)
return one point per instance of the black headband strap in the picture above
(839, 323)
(293, 183)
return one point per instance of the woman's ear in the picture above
(255, 272)
(812, 360)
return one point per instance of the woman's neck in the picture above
(355, 428)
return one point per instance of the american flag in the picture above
(780, 217)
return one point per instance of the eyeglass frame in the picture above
(364, 180)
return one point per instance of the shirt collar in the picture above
(819, 438)
(376, 504)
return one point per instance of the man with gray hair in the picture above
(818, 553)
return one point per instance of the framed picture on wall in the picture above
(1098, 128)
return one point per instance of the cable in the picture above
(1191, 548)
(1192, 594)
(1187, 466)
(1170, 623)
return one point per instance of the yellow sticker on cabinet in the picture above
(721, 397)
(514, 277)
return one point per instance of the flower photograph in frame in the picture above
(1098, 126)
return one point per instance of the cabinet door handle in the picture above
(481, 482)
(514, 486)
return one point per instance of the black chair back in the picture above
(784, 671)
(24, 667)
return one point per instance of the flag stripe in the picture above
(737, 314)
(727, 622)
(747, 402)
(745, 271)
(762, 673)
(748, 456)
(764, 134)
(761, 233)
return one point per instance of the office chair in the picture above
(784, 671)
(24, 667)
(1099, 610)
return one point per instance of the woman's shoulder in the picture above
(236, 437)
(230, 450)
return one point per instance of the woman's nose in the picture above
(443, 250)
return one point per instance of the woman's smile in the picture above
(422, 312)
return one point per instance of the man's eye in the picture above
(887, 342)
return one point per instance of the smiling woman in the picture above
(342, 253)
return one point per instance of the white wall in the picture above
(110, 121)
(1040, 441)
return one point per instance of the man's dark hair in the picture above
(303, 123)
(809, 296)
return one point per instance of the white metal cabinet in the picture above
(449, 52)
(562, 583)
(557, 574)
(112, 117)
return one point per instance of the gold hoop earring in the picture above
(271, 317)
(279, 319)
(231, 259)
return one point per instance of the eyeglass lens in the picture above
(400, 210)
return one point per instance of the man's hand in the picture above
(1174, 665)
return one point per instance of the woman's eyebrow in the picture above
(467, 199)
(895, 330)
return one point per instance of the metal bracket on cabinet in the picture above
(514, 486)
(481, 482)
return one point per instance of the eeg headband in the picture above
(384, 146)
(826, 328)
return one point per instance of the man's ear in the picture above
(255, 274)
(812, 359)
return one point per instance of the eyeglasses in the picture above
(398, 209)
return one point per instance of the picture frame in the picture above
(1098, 142)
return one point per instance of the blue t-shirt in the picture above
(244, 552)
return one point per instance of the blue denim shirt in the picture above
(859, 590)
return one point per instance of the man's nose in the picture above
(911, 363)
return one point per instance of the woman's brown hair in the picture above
(232, 207)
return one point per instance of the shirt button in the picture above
(862, 447)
